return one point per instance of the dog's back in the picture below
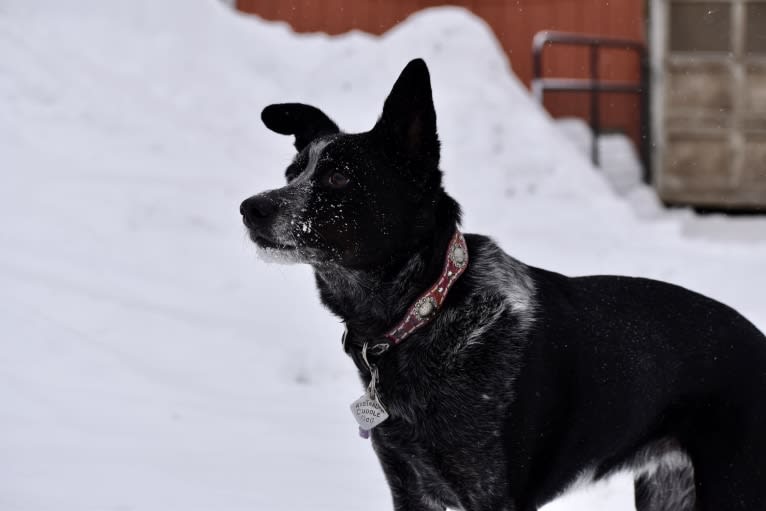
(627, 371)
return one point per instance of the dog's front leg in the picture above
(406, 486)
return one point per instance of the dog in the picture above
(491, 384)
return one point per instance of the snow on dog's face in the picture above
(358, 200)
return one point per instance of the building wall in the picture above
(515, 23)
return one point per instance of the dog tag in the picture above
(368, 412)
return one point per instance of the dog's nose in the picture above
(257, 208)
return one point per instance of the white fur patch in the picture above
(497, 267)
(584, 478)
(672, 459)
(273, 255)
(315, 154)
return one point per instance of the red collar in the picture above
(428, 304)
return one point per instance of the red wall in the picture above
(514, 22)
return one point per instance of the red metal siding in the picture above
(514, 22)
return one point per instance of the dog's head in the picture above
(353, 199)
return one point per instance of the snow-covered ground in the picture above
(148, 360)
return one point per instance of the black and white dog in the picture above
(493, 385)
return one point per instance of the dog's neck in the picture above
(372, 301)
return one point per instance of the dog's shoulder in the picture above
(492, 302)
(493, 272)
(482, 330)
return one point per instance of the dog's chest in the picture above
(457, 468)
(448, 428)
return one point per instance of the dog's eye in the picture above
(337, 180)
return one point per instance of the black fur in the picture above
(304, 121)
(527, 379)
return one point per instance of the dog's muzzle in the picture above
(258, 209)
(258, 214)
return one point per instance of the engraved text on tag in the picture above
(368, 412)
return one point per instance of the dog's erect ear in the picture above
(409, 119)
(304, 121)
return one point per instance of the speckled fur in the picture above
(664, 478)
(527, 382)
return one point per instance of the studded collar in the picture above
(427, 305)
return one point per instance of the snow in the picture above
(148, 360)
